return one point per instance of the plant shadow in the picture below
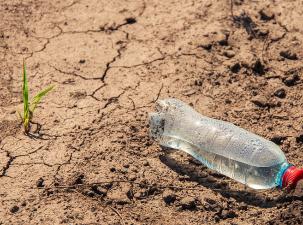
(196, 172)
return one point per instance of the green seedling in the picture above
(30, 106)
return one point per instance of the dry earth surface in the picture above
(92, 162)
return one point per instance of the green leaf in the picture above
(35, 101)
(26, 113)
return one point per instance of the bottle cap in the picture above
(291, 177)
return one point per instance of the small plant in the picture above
(30, 106)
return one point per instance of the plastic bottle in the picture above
(222, 146)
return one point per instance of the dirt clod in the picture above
(79, 179)
(212, 205)
(188, 203)
(206, 44)
(120, 194)
(278, 139)
(99, 190)
(289, 55)
(291, 80)
(222, 38)
(235, 68)
(130, 20)
(266, 14)
(113, 169)
(299, 139)
(258, 68)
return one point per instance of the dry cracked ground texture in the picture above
(93, 162)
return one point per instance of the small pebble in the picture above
(263, 32)
(227, 101)
(138, 195)
(278, 139)
(90, 193)
(291, 80)
(280, 93)
(266, 15)
(229, 53)
(40, 182)
(118, 196)
(260, 101)
(126, 165)
(222, 39)
(188, 203)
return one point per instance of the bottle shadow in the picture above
(196, 172)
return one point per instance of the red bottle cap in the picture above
(291, 177)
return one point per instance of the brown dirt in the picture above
(93, 162)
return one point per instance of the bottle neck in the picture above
(281, 173)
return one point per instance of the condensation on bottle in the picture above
(230, 150)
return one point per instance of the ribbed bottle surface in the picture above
(221, 146)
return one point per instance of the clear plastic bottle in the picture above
(222, 146)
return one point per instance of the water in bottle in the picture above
(222, 146)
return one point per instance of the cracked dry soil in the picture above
(93, 163)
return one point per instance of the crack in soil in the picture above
(73, 73)
(113, 99)
(105, 29)
(108, 64)
(70, 5)
(9, 163)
